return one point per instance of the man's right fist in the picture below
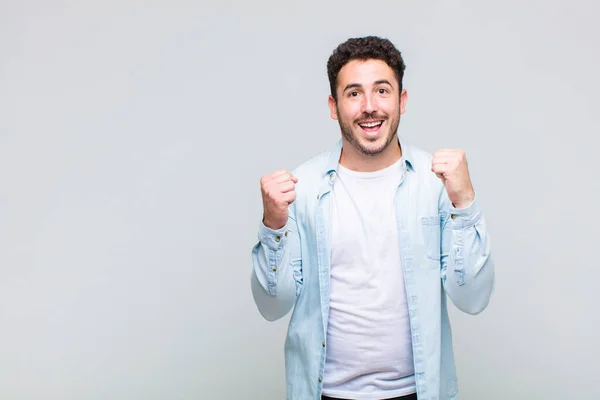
(277, 194)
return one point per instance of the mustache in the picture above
(371, 117)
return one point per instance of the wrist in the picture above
(464, 202)
(272, 224)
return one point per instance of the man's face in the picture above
(369, 105)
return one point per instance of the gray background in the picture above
(133, 136)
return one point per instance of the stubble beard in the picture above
(356, 142)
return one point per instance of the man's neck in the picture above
(356, 161)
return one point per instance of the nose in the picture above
(369, 104)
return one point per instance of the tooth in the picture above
(371, 124)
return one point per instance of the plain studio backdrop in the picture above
(133, 136)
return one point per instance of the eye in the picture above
(353, 94)
(382, 91)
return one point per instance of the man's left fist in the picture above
(450, 165)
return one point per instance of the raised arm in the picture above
(276, 278)
(467, 267)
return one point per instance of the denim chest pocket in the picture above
(431, 229)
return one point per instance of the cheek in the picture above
(350, 112)
(390, 107)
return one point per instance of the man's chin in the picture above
(372, 147)
(371, 150)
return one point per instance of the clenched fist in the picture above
(450, 165)
(278, 192)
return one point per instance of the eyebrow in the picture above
(352, 85)
(382, 81)
(358, 85)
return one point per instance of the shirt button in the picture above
(453, 216)
(274, 268)
(323, 344)
(320, 379)
(286, 234)
(277, 239)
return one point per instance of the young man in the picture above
(365, 241)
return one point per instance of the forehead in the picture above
(365, 72)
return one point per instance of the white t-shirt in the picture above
(369, 351)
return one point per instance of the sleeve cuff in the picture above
(270, 237)
(465, 217)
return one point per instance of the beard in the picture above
(370, 147)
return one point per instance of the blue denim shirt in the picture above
(445, 253)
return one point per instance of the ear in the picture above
(403, 100)
(332, 107)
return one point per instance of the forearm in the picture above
(468, 271)
(276, 277)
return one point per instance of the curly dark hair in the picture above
(364, 48)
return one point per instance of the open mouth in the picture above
(371, 127)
